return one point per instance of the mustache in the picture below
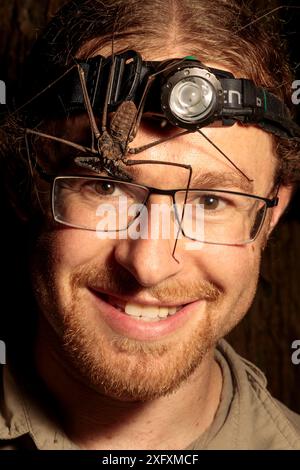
(118, 281)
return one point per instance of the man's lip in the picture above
(140, 330)
(146, 302)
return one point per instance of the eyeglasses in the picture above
(104, 204)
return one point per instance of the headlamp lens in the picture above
(191, 99)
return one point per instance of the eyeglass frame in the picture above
(51, 178)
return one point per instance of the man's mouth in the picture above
(142, 312)
(147, 320)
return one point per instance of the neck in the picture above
(95, 421)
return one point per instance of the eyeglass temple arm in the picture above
(274, 201)
(43, 174)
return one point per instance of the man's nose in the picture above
(150, 259)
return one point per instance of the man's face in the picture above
(83, 279)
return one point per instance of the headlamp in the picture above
(191, 97)
(184, 91)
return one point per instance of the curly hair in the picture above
(222, 31)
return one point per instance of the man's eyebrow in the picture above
(221, 180)
(208, 180)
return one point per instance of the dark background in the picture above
(266, 334)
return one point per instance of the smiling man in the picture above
(138, 106)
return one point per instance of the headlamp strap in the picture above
(242, 100)
(245, 102)
(126, 79)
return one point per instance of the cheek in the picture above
(71, 248)
(56, 256)
(233, 269)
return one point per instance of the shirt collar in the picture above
(23, 415)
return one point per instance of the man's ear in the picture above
(285, 193)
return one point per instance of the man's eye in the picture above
(105, 188)
(210, 202)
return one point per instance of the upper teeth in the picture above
(149, 311)
(143, 311)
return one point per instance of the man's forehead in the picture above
(209, 167)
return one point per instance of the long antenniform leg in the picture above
(87, 102)
(223, 154)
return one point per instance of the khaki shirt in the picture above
(247, 417)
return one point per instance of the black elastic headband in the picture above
(237, 99)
